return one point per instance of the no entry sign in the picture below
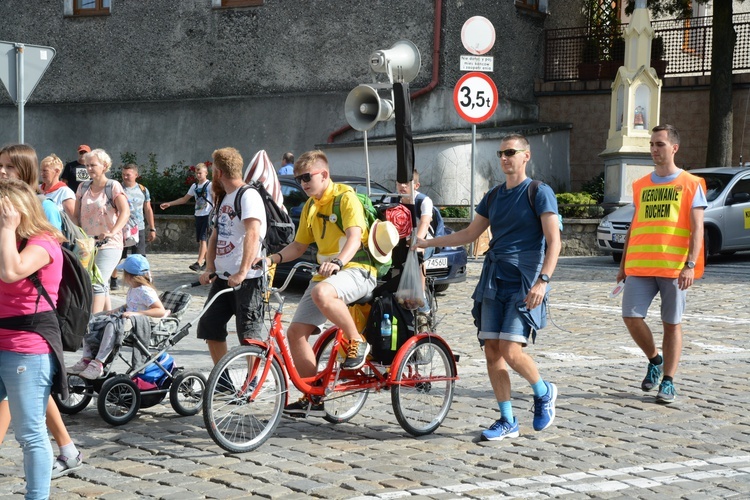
(475, 97)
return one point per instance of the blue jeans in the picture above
(27, 381)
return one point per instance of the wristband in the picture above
(152, 230)
(338, 263)
(281, 259)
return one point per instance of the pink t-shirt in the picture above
(21, 298)
(98, 215)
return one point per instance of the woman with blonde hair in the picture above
(102, 212)
(18, 161)
(55, 189)
(29, 332)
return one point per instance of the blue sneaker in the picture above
(653, 377)
(544, 408)
(666, 393)
(501, 429)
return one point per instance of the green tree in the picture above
(719, 147)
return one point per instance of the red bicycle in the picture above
(248, 388)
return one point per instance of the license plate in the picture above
(618, 238)
(436, 263)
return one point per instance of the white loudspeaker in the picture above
(401, 62)
(364, 108)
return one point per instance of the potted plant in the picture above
(588, 69)
(657, 56)
(615, 60)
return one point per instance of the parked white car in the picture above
(726, 219)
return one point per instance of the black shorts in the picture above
(246, 305)
(201, 228)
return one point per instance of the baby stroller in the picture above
(151, 373)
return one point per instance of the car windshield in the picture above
(715, 183)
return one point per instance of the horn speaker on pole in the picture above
(401, 62)
(364, 108)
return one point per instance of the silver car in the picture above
(726, 219)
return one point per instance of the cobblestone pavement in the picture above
(609, 439)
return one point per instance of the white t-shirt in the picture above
(59, 195)
(141, 298)
(203, 203)
(230, 236)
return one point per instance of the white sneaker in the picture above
(93, 371)
(78, 367)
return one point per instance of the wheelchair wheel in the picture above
(119, 400)
(340, 406)
(186, 393)
(423, 384)
(80, 392)
(234, 421)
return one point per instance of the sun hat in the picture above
(84, 148)
(135, 264)
(382, 239)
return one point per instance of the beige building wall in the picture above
(684, 103)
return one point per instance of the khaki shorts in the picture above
(350, 284)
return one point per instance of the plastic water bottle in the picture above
(386, 332)
(394, 334)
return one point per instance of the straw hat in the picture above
(382, 239)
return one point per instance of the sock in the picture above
(656, 360)
(506, 410)
(539, 388)
(667, 378)
(69, 450)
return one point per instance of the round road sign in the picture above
(475, 97)
(478, 35)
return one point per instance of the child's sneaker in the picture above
(64, 465)
(306, 406)
(501, 429)
(93, 371)
(78, 367)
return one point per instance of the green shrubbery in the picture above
(167, 185)
(578, 206)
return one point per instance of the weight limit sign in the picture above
(475, 97)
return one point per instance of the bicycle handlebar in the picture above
(306, 267)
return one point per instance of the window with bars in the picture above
(91, 7)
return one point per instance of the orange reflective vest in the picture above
(660, 233)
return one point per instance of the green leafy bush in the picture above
(595, 187)
(164, 185)
(578, 206)
(455, 212)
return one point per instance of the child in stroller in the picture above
(107, 329)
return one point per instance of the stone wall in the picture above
(176, 233)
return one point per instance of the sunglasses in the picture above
(306, 177)
(509, 152)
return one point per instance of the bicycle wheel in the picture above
(80, 391)
(340, 406)
(186, 393)
(233, 420)
(119, 400)
(423, 383)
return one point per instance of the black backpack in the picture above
(386, 303)
(280, 228)
(74, 299)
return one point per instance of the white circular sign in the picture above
(475, 97)
(478, 35)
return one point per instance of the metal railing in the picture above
(687, 47)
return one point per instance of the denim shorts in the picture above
(501, 318)
(640, 292)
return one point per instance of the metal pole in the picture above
(367, 165)
(473, 167)
(19, 89)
